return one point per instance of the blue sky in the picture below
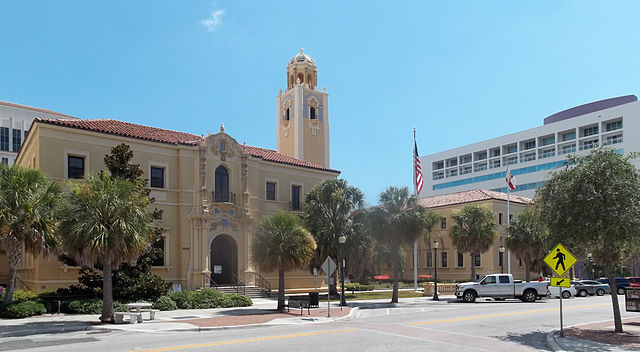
(458, 71)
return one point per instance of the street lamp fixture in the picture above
(501, 259)
(435, 270)
(342, 239)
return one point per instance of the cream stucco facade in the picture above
(212, 191)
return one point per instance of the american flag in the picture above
(417, 177)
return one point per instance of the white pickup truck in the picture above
(501, 286)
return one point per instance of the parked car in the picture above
(501, 286)
(591, 287)
(621, 283)
(635, 281)
(567, 292)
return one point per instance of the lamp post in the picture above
(501, 258)
(435, 270)
(342, 239)
(590, 259)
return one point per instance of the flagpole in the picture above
(415, 243)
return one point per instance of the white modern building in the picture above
(533, 154)
(15, 121)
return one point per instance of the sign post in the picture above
(560, 260)
(329, 266)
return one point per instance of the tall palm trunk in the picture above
(473, 268)
(396, 275)
(280, 290)
(107, 293)
(14, 250)
(614, 301)
(527, 268)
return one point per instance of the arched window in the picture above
(312, 113)
(301, 77)
(221, 193)
(286, 115)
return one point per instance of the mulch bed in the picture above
(603, 332)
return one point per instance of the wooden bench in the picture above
(298, 302)
(134, 317)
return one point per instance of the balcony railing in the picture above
(223, 197)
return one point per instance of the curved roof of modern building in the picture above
(301, 57)
(589, 107)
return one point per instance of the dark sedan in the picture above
(591, 287)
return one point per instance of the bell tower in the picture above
(303, 113)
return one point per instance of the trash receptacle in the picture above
(313, 300)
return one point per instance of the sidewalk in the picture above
(597, 337)
(261, 313)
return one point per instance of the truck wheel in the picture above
(620, 291)
(566, 294)
(600, 292)
(582, 293)
(469, 296)
(529, 296)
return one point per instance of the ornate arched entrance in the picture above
(224, 260)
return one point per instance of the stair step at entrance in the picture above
(249, 291)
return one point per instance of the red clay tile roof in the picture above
(276, 157)
(14, 105)
(473, 195)
(160, 135)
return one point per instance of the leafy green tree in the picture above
(28, 216)
(108, 220)
(333, 208)
(396, 222)
(594, 206)
(281, 243)
(473, 231)
(526, 236)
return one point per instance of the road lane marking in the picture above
(452, 320)
(255, 339)
(433, 341)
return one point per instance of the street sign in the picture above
(560, 260)
(560, 282)
(329, 266)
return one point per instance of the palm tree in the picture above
(107, 220)
(526, 238)
(281, 243)
(28, 216)
(473, 231)
(398, 221)
(334, 208)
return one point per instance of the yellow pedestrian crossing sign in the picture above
(560, 282)
(560, 260)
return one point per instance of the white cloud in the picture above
(212, 23)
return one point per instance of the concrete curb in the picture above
(551, 342)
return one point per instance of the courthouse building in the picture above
(212, 189)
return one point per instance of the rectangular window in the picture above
(429, 260)
(271, 191)
(5, 161)
(480, 167)
(528, 156)
(512, 149)
(465, 159)
(504, 279)
(438, 175)
(548, 140)
(452, 162)
(295, 197)
(589, 144)
(519, 262)
(499, 218)
(452, 172)
(590, 131)
(529, 145)
(547, 153)
(465, 170)
(612, 126)
(494, 163)
(476, 259)
(495, 152)
(568, 136)
(157, 177)
(17, 140)
(443, 223)
(569, 148)
(614, 139)
(4, 139)
(444, 259)
(158, 252)
(438, 165)
(75, 166)
(460, 260)
(512, 160)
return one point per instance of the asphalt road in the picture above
(482, 326)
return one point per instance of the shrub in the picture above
(165, 303)
(237, 300)
(358, 287)
(208, 298)
(24, 309)
(24, 295)
(119, 307)
(85, 307)
(184, 300)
